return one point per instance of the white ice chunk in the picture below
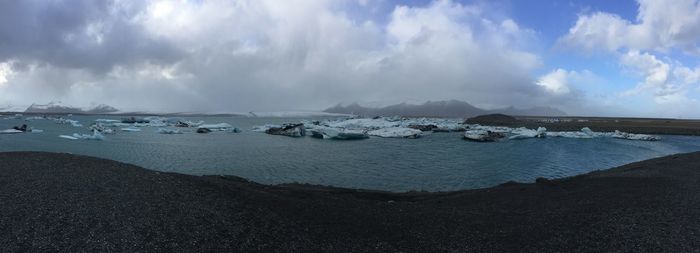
(482, 135)
(337, 133)
(525, 133)
(97, 136)
(71, 122)
(10, 131)
(396, 132)
(108, 120)
(70, 137)
(629, 136)
(131, 129)
(219, 126)
(587, 133)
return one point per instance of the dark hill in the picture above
(493, 120)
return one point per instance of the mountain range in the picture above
(58, 107)
(450, 108)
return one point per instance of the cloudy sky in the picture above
(594, 57)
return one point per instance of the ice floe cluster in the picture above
(337, 129)
(486, 133)
(385, 127)
(363, 128)
(399, 127)
(100, 127)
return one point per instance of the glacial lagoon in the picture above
(433, 162)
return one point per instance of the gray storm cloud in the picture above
(262, 55)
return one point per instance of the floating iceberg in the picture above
(525, 133)
(216, 127)
(70, 137)
(629, 136)
(587, 133)
(337, 133)
(35, 118)
(71, 122)
(496, 129)
(131, 129)
(11, 131)
(225, 127)
(186, 123)
(481, 135)
(291, 130)
(97, 136)
(108, 121)
(168, 131)
(396, 132)
(575, 135)
(102, 128)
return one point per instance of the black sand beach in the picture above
(61, 202)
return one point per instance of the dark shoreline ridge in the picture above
(63, 202)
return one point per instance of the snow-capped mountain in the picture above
(52, 107)
(58, 107)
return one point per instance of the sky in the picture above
(592, 57)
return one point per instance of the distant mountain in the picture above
(451, 108)
(52, 107)
(101, 109)
(58, 107)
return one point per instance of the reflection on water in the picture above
(436, 162)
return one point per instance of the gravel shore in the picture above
(62, 202)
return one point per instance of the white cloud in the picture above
(5, 72)
(644, 48)
(274, 55)
(556, 82)
(660, 25)
(655, 72)
(562, 82)
(669, 83)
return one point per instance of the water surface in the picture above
(436, 162)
